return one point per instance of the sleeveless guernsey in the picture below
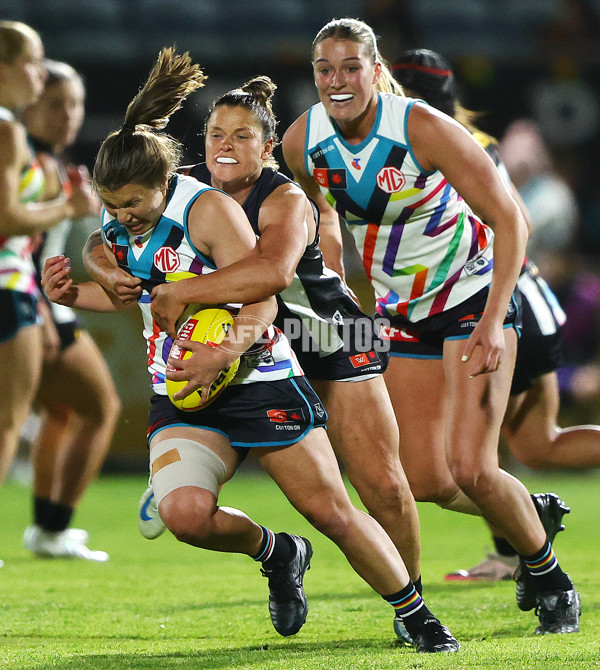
(422, 247)
(17, 272)
(317, 296)
(54, 240)
(165, 253)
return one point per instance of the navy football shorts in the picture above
(425, 339)
(540, 348)
(261, 414)
(18, 310)
(360, 354)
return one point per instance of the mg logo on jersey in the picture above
(390, 179)
(166, 259)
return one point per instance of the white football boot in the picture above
(149, 521)
(68, 543)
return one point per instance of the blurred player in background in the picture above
(22, 75)
(78, 399)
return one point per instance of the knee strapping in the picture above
(178, 462)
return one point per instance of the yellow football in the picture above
(208, 326)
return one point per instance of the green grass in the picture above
(163, 605)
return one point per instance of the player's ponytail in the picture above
(137, 152)
(387, 83)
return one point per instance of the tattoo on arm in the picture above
(93, 241)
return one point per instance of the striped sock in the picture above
(545, 570)
(409, 606)
(275, 548)
(267, 545)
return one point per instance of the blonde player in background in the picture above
(530, 427)
(411, 185)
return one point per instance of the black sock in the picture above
(275, 548)
(410, 607)
(418, 585)
(503, 547)
(58, 518)
(283, 551)
(546, 573)
(41, 511)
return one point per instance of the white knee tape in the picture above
(178, 462)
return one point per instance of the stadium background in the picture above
(512, 58)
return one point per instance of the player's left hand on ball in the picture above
(200, 370)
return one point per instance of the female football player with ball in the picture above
(334, 341)
(157, 224)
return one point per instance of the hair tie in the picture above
(128, 126)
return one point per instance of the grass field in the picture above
(162, 605)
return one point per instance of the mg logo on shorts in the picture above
(166, 259)
(390, 179)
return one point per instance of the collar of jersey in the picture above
(357, 148)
